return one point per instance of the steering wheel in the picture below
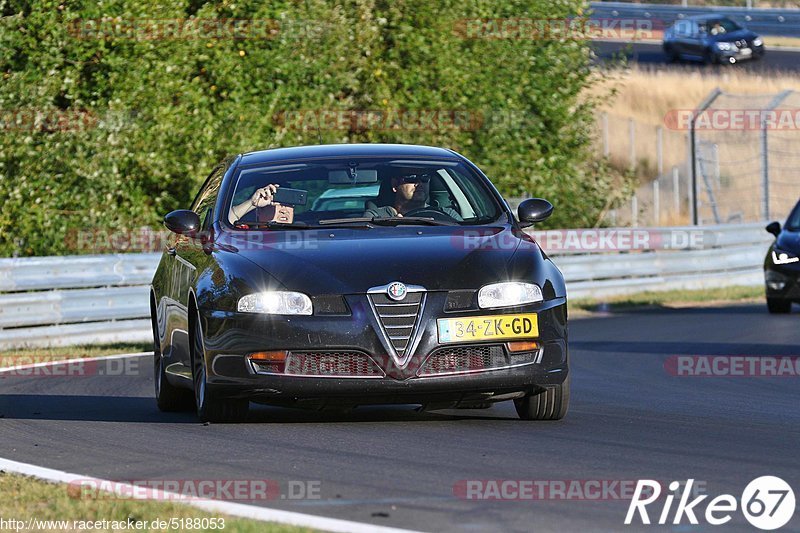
(429, 212)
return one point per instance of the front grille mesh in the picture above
(398, 318)
(463, 359)
(332, 363)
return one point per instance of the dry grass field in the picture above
(645, 97)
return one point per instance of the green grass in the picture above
(37, 355)
(673, 298)
(25, 497)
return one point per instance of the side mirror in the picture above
(182, 222)
(533, 210)
(774, 228)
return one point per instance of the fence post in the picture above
(676, 193)
(634, 211)
(656, 203)
(765, 154)
(660, 149)
(705, 104)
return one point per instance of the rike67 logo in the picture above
(767, 502)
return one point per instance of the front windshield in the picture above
(320, 192)
(793, 222)
(719, 26)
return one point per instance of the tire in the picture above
(169, 398)
(550, 404)
(779, 306)
(710, 58)
(669, 53)
(210, 406)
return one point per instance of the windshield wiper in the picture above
(346, 222)
(272, 224)
(397, 221)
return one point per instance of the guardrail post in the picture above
(634, 211)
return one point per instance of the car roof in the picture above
(706, 18)
(345, 150)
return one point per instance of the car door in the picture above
(188, 254)
(682, 43)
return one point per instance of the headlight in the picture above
(509, 294)
(724, 46)
(783, 258)
(757, 41)
(276, 303)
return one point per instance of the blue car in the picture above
(711, 39)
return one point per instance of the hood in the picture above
(730, 37)
(789, 241)
(350, 261)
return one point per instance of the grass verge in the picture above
(667, 299)
(25, 497)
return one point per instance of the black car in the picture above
(711, 39)
(427, 293)
(782, 264)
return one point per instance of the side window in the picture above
(682, 28)
(695, 29)
(203, 204)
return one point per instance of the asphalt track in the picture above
(630, 419)
(650, 55)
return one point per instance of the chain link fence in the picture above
(733, 159)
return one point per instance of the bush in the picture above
(114, 132)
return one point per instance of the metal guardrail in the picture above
(766, 21)
(51, 301)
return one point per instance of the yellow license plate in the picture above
(482, 328)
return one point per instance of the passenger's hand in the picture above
(263, 196)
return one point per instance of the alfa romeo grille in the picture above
(397, 318)
(332, 363)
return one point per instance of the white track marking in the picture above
(240, 510)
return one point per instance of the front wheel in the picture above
(670, 54)
(169, 398)
(210, 406)
(779, 306)
(550, 404)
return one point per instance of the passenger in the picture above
(268, 210)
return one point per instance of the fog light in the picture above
(274, 361)
(775, 281)
(522, 346)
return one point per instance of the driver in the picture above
(411, 194)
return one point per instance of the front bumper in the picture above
(756, 52)
(229, 337)
(783, 282)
